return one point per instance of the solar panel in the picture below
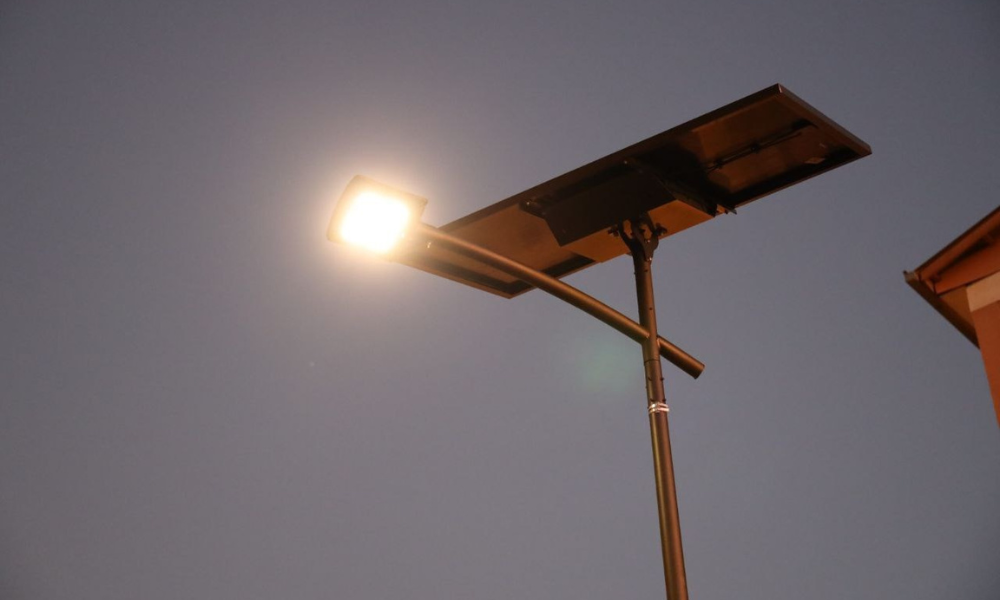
(682, 177)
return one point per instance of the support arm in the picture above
(564, 292)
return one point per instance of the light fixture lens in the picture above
(375, 222)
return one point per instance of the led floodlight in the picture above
(373, 215)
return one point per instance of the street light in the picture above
(373, 215)
(623, 203)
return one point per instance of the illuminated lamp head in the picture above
(373, 215)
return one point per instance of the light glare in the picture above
(375, 222)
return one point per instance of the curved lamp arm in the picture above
(563, 291)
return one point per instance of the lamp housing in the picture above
(373, 215)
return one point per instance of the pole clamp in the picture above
(642, 235)
(658, 407)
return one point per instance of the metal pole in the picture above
(642, 242)
(564, 292)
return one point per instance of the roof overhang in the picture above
(944, 278)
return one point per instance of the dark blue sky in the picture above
(203, 398)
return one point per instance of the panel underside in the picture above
(681, 177)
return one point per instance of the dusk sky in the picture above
(202, 397)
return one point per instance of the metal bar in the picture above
(659, 427)
(564, 292)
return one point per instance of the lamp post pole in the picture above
(642, 239)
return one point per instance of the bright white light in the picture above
(374, 222)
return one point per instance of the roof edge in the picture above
(928, 294)
(955, 250)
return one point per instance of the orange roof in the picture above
(943, 279)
